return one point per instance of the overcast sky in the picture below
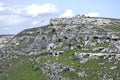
(16, 15)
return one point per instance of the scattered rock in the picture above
(82, 74)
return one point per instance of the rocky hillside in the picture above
(78, 48)
(85, 33)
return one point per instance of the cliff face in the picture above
(89, 34)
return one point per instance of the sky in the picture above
(17, 15)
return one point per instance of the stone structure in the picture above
(78, 20)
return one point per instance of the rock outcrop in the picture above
(5, 39)
(86, 33)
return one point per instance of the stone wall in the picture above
(63, 21)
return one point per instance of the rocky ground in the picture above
(78, 48)
(5, 39)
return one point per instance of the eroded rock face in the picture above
(80, 32)
(84, 57)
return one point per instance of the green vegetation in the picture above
(117, 34)
(81, 42)
(44, 59)
(71, 75)
(31, 40)
(18, 47)
(98, 29)
(94, 40)
(102, 45)
(101, 30)
(21, 69)
(113, 27)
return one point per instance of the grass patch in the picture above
(71, 75)
(113, 27)
(94, 40)
(18, 47)
(22, 71)
(102, 45)
(31, 40)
